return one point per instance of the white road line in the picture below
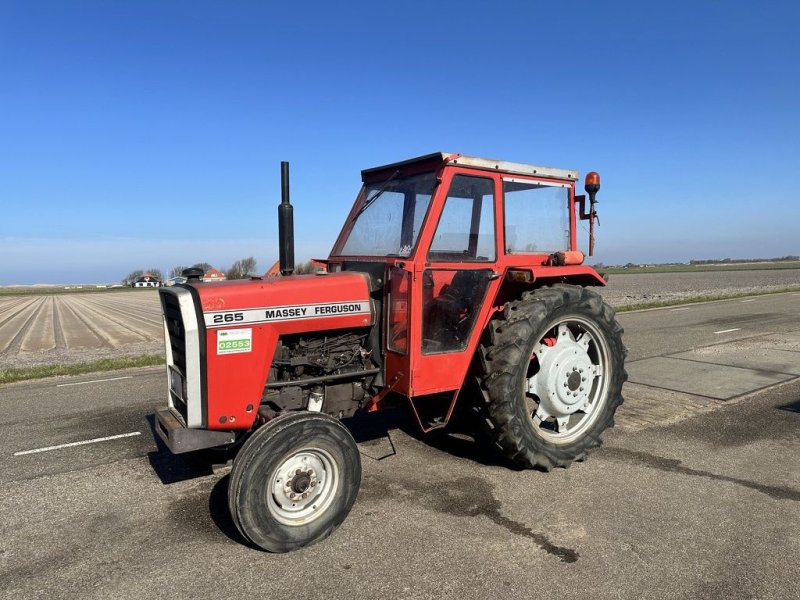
(677, 309)
(81, 443)
(751, 300)
(728, 330)
(94, 381)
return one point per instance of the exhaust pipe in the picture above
(285, 224)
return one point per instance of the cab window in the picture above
(466, 228)
(536, 217)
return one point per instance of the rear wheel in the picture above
(294, 481)
(552, 373)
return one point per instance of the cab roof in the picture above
(475, 162)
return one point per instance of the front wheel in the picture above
(294, 481)
(552, 369)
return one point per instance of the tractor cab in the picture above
(446, 237)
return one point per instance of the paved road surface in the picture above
(672, 507)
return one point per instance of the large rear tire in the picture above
(551, 374)
(294, 481)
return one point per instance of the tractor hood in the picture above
(292, 304)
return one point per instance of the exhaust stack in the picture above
(285, 224)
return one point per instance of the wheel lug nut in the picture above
(298, 472)
(292, 495)
(305, 495)
(313, 483)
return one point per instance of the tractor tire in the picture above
(551, 369)
(294, 481)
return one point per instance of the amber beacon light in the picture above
(592, 186)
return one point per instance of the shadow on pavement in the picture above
(171, 468)
(791, 407)
(461, 437)
(221, 514)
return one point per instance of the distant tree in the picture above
(131, 277)
(155, 273)
(176, 271)
(242, 268)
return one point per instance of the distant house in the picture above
(146, 280)
(274, 270)
(213, 275)
(316, 266)
(175, 280)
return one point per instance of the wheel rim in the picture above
(566, 385)
(303, 486)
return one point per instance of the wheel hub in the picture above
(301, 481)
(302, 487)
(574, 381)
(566, 375)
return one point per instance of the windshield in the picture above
(391, 217)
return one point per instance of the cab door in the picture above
(454, 274)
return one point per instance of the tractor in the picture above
(455, 279)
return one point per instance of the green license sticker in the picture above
(234, 341)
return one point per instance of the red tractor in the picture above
(451, 273)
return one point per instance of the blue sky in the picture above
(141, 134)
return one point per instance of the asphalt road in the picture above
(695, 495)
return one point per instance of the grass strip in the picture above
(700, 299)
(105, 364)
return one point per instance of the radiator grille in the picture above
(177, 342)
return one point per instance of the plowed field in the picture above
(70, 328)
(637, 288)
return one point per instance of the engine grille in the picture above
(177, 342)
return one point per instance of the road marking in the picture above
(677, 309)
(751, 300)
(81, 443)
(728, 330)
(94, 381)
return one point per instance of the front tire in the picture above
(294, 481)
(551, 372)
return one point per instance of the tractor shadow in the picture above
(171, 468)
(461, 438)
(221, 514)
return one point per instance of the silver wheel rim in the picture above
(302, 488)
(566, 385)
